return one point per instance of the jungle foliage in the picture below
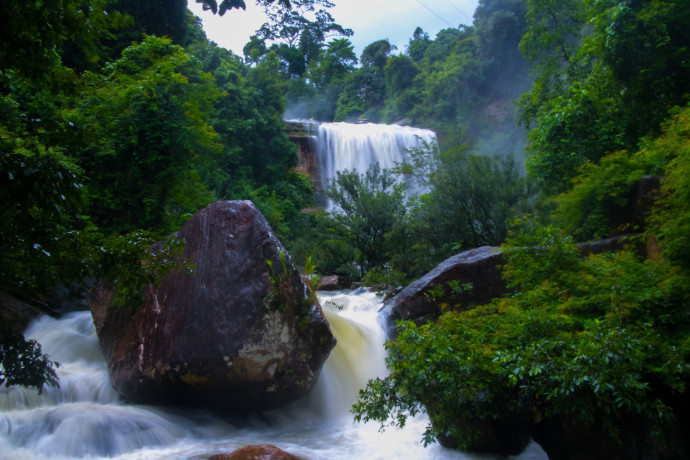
(391, 226)
(461, 84)
(594, 341)
(118, 121)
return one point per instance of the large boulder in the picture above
(464, 280)
(236, 335)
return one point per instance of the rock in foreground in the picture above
(224, 337)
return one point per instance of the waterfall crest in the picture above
(350, 146)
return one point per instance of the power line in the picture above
(435, 14)
(454, 6)
(458, 8)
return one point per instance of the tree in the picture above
(32, 36)
(500, 26)
(316, 95)
(367, 207)
(226, 5)
(248, 119)
(41, 224)
(299, 33)
(147, 126)
(153, 17)
(449, 82)
(334, 63)
(554, 30)
(376, 54)
(418, 44)
(364, 93)
(468, 200)
(254, 50)
(579, 340)
(288, 26)
(588, 99)
(400, 72)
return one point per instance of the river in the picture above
(84, 418)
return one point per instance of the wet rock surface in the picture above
(222, 337)
(257, 452)
(330, 283)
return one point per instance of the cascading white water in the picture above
(350, 146)
(84, 418)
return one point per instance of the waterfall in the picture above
(84, 418)
(350, 146)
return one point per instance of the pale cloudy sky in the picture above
(371, 20)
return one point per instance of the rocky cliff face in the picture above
(307, 158)
(235, 335)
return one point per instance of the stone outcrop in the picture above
(300, 133)
(330, 283)
(231, 336)
(256, 452)
(477, 269)
(15, 314)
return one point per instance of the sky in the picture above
(370, 20)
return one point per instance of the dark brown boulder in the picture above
(16, 314)
(256, 452)
(225, 336)
(421, 301)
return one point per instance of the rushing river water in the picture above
(85, 419)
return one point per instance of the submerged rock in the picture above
(226, 336)
(256, 452)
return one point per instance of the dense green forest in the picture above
(119, 120)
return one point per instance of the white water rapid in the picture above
(350, 146)
(85, 419)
